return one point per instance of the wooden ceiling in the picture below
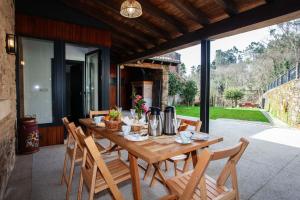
(167, 25)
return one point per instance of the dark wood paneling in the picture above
(51, 135)
(56, 30)
(113, 86)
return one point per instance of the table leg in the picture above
(194, 158)
(135, 177)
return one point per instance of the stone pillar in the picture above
(165, 87)
(7, 95)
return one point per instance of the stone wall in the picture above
(7, 96)
(165, 87)
(283, 102)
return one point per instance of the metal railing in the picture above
(290, 75)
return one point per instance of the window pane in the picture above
(37, 56)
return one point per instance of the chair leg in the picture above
(79, 194)
(64, 170)
(91, 194)
(69, 184)
(175, 167)
(186, 165)
(148, 169)
(153, 178)
(166, 166)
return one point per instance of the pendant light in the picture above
(131, 9)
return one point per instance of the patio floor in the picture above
(269, 169)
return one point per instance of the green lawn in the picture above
(229, 113)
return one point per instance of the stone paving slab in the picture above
(267, 170)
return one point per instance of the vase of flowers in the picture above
(139, 105)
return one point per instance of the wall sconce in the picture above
(11, 44)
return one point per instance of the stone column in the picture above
(7, 96)
(165, 87)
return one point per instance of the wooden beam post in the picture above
(205, 85)
(118, 86)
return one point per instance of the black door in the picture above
(74, 91)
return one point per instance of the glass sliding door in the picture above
(92, 99)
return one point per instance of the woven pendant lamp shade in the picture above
(131, 9)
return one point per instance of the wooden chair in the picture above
(197, 185)
(94, 113)
(98, 175)
(110, 148)
(184, 124)
(74, 153)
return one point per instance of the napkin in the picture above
(127, 121)
(200, 136)
(136, 137)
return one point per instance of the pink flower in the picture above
(138, 97)
(144, 107)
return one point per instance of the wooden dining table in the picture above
(153, 150)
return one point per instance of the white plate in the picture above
(186, 134)
(178, 140)
(136, 137)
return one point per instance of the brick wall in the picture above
(283, 102)
(7, 96)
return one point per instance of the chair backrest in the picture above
(65, 121)
(80, 136)
(97, 161)
(197, 124)
(93, 113)
(81, 143)
(70, 136)
(233, 154)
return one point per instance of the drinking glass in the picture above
(132, 112)
(119, 109)
(176, 123)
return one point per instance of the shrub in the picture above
(189, 92)
(234, 95)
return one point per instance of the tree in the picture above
(189, 91)
(182, 70)
(227, 57)
(234, 95)
(175, 85)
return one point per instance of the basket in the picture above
(113, 125)
(136, 127)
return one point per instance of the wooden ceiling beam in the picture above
(150, 27)
(229, 6)
(112, 24)
(156, 12)
(129, 43)
(255, 18)
(120, 48)
(191, 12)
(144, 65)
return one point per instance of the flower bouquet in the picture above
(139, 105)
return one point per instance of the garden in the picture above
(249, 114)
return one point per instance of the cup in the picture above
(98, 119)
(126, 129)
